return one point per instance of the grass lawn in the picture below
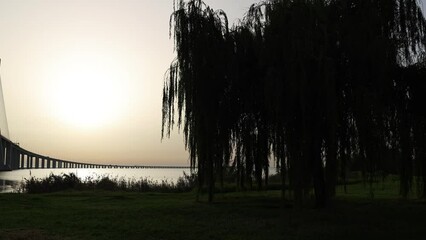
(246, 215)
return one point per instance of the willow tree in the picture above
(318, 85)
(332, 70)
(250, 129)
(377, 39)
(197, 82)
(299, 80)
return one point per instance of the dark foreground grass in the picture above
(249, 215)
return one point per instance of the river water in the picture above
(10, 180)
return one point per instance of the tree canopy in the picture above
(322, 87)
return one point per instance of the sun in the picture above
(87, 92)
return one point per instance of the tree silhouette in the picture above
(197, 81)
(322, 87)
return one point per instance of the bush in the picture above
(52, 183)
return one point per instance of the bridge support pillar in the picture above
(15, 159)
(8, 156)
(21, 164)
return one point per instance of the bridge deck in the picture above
(13, 157)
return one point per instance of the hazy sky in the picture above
(82, 79)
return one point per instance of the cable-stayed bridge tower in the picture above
(4, 128)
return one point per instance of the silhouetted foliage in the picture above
(55, 183)
(320, 86)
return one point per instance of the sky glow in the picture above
(83, 79)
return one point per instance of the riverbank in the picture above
(244, 215)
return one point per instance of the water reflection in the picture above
(7, 186)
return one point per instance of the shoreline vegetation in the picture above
(108, 182)
(188, 183)
(70, 181)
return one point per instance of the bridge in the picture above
(13, 157)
